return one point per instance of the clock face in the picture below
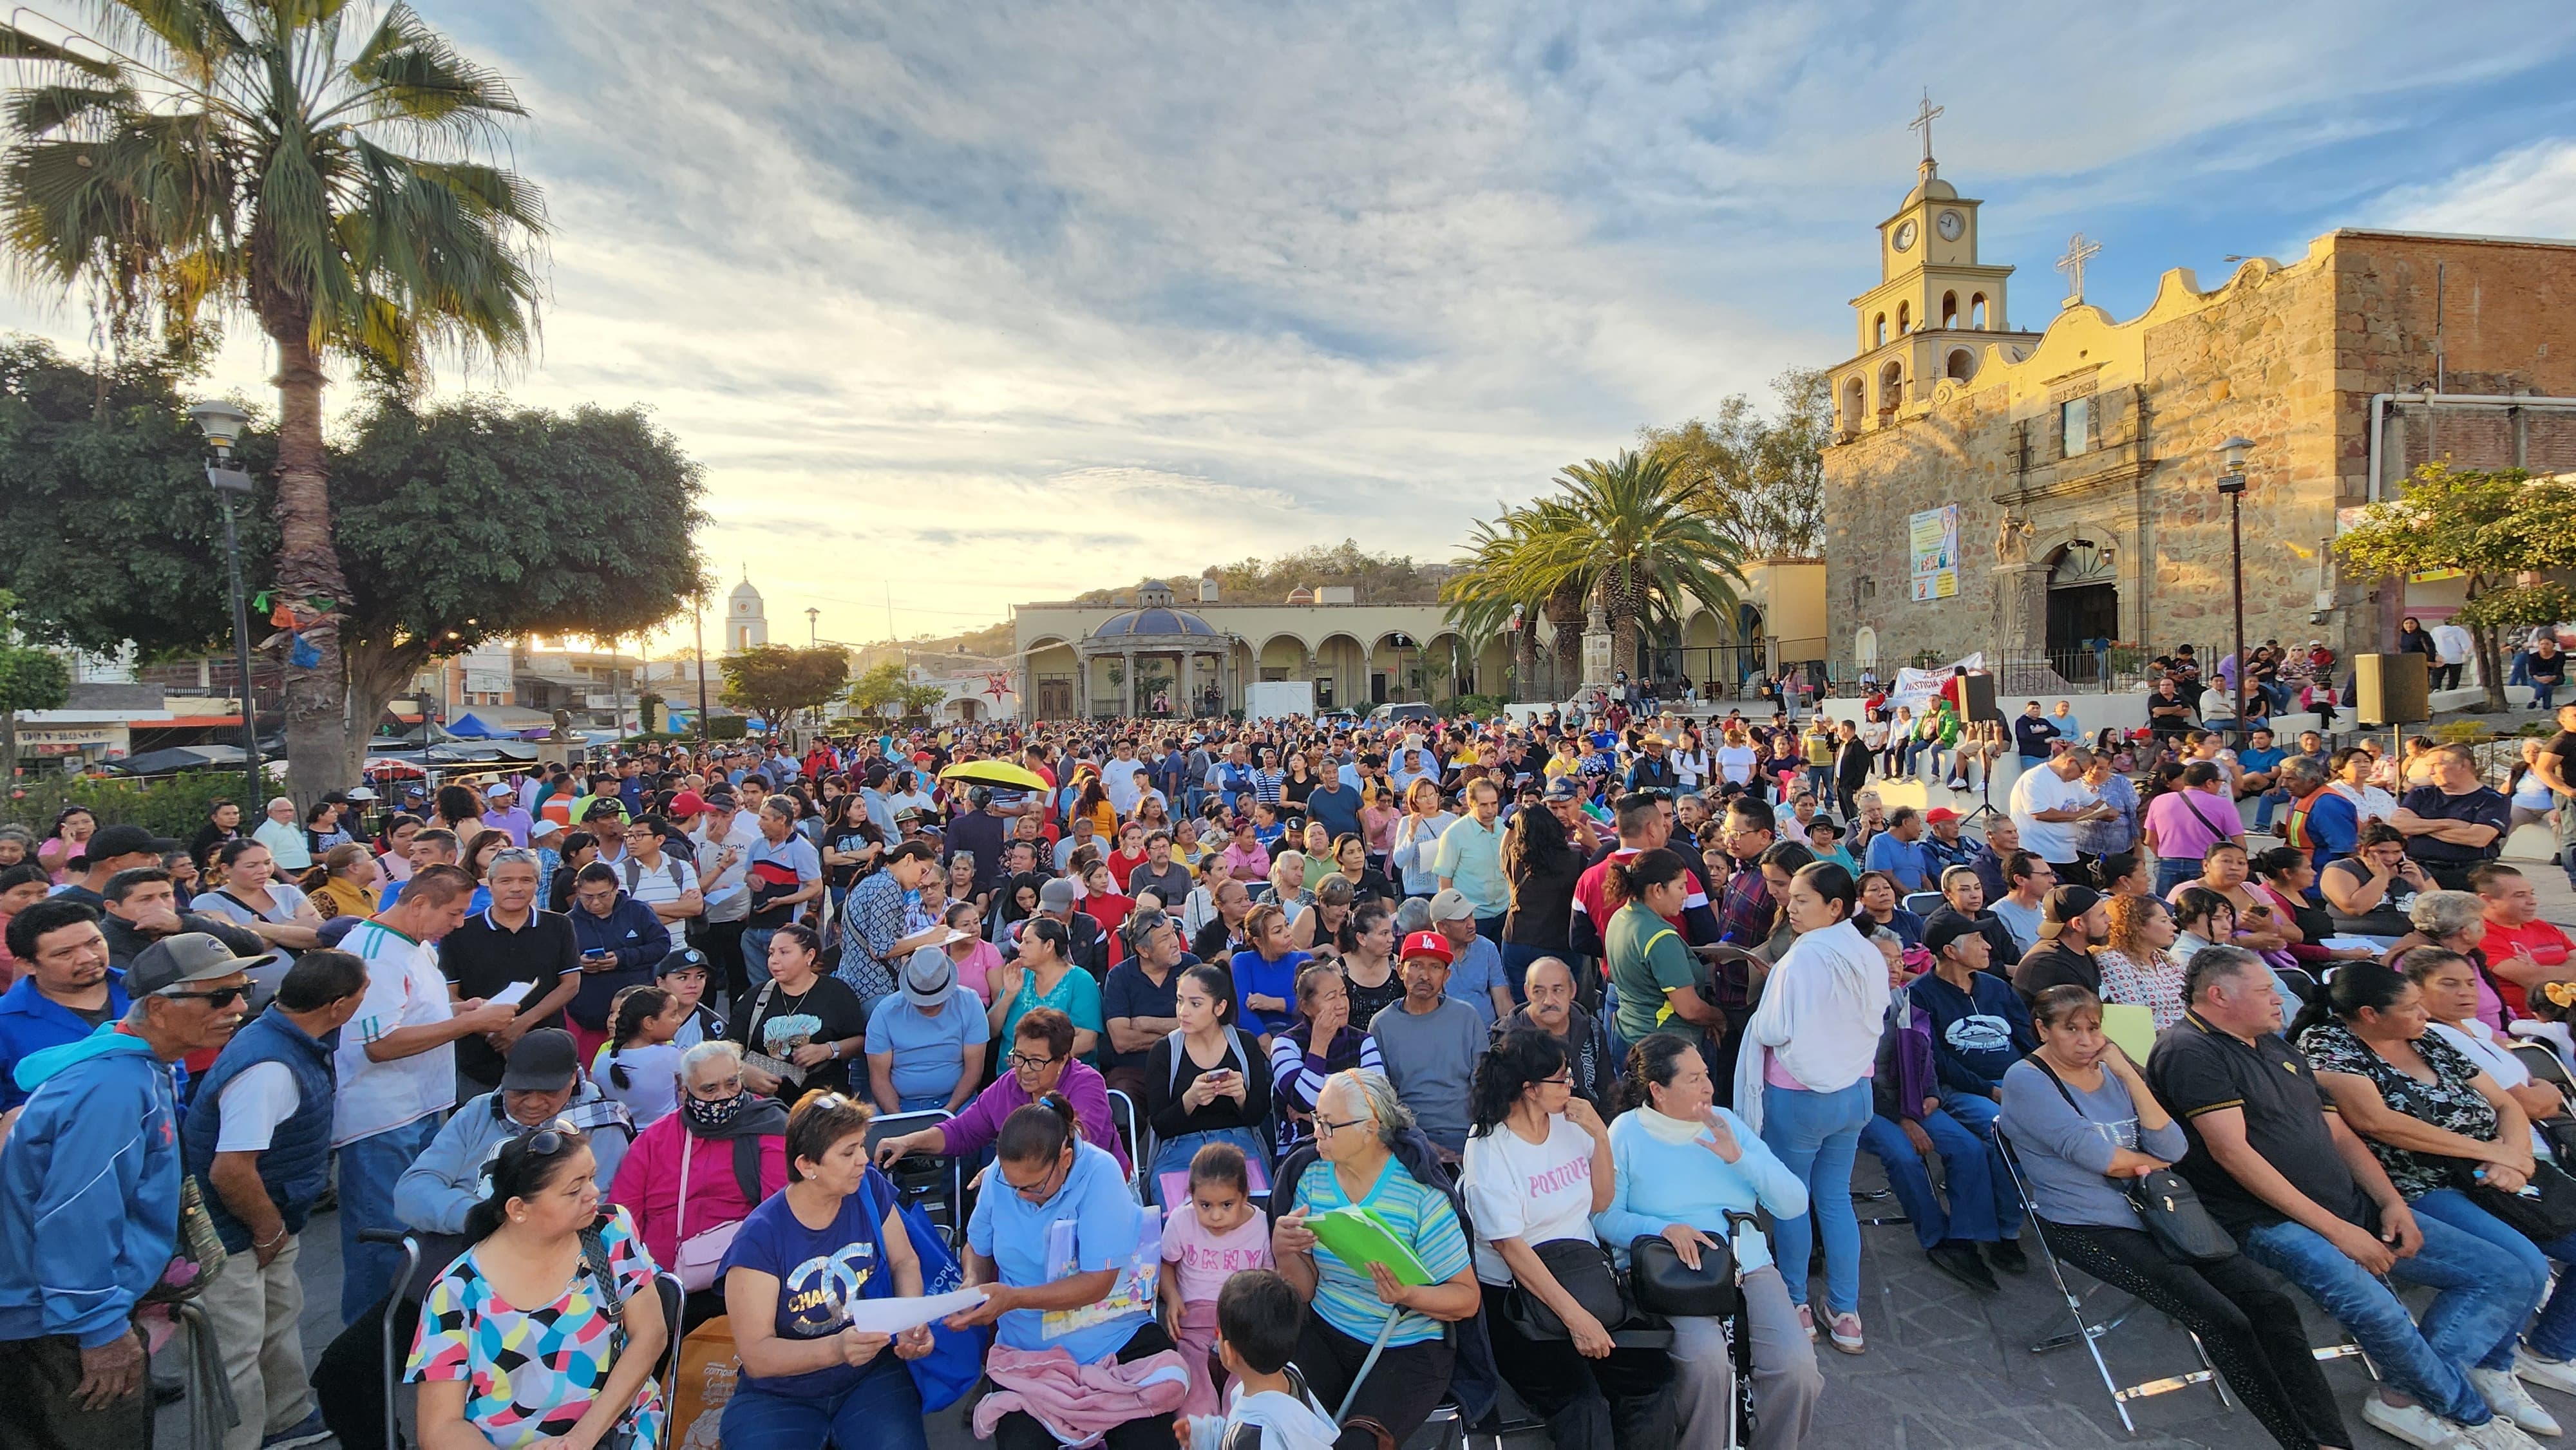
(1905, 236)
(1951, 224)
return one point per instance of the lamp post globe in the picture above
(2231, 485)
(222, 423)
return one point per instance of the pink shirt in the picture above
(2182, 835)
(974, 972)
(1203, 1260)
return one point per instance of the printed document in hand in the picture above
(511, 995)
(894, 1316)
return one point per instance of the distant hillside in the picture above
(992, 641)
(1377, 578)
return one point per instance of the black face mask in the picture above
(710, 1115)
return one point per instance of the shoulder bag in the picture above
(2544, 1211)
(594, 1258)
(1581, 1267)
(1664, 1286)
(700, 1257)
(2166, 1203)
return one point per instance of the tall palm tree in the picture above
(1627, 532)
(1482, 594)
(286, 160)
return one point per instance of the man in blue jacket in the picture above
(68, 991)
(89, 1200)
(621, 939)
(1979, 1030)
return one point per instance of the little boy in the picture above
(1257, 1320)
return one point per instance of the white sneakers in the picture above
(2549, 1374)
(2420, 1427)
(2505, 1395)
(2497, 1433)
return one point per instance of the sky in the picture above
(963, 305)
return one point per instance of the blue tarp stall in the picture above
(469, 728)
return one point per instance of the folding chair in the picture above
(2544, 1065)
(666, 1287)
(937, 1184)
(1923, 903)
(2089, 1333)
(1132, 1133)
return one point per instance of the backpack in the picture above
(635, 874)
(1181, 1056)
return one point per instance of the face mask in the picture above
(705, 1114)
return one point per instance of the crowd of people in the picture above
(1587, 1021)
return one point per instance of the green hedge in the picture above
(170, 805)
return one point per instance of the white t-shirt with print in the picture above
(1534, 1192)
(259, 1097)
(404, 989)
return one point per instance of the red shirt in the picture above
(1122, 865)
(1592, 892)
(2548, 946)
(1111, 912)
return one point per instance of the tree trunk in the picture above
(9, 746)
(377, 673)
(1565, 612)
(308, 567)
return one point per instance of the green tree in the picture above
(774, 681)
(475, 521)
(2503, 529)
(285, 160)
(30, 679)
(882, 685)
(1761, 478)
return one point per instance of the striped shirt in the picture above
(1418, 1215)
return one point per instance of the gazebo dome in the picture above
(1158, 621)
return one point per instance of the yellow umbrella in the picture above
(995, 772)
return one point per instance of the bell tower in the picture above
(1934, 298)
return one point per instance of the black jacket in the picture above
(123, 941)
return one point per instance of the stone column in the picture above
(1598, 673)
(2021, 615)
(1081, 685)
(1127, 696)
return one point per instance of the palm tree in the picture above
(1483, 597)
(278, 158)
(1627, 532)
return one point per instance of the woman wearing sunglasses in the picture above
(833, 1236)
(546, 1329)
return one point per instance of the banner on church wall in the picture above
(1932, 539)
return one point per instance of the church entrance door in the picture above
(2083, 609)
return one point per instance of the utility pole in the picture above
(698, 622)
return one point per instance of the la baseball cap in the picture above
(1427, 944)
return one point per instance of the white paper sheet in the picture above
(511, 995)
(894, 1316)
(2349, 943)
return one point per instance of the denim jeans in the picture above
(2553, 1334)
(1516, 965)
(755, 955)
(2263, 805)
(1817, 1135)
(2543, 697)
(2485, 1295)
(368, 1168)
(1173, 1155)
(1982, 1205)
(881, 1410)
(2170, 874)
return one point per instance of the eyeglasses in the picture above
(218, 999)
(1327, 1127)
(1021, 1059)
(1029, 1190)
(1562, 1079)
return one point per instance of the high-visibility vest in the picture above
(2294, 826)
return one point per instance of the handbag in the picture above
(956, 1359)
(199, 1252)
(700, 1257)
(1666, 1287)
(2168, 1206)
(1581, 1267)
(2544, 1211)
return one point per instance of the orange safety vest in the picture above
(2294, 826)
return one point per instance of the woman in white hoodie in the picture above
(1803, 1083)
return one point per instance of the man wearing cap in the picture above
(1430, 1042)
(723, 841)
(502, 812)
(1979, 1026)
(1475, 963)
(65, 991)
(541, 1084)
(397, 1067)
(1899, 851)
(2073, 923)
(926, 1041)
(143, 907)
(511, 942)
(1943, 846)
(257, 1139)
(1090, 942)
(118, 848)
(1138, 1002)
(1653, 769)
(89, 1198)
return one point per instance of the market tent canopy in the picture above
(179, 757)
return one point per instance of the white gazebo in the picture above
(1153, 630)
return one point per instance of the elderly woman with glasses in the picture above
(728, 1145)
(835, 1235)
(1367, 1153)
(1041, 1061)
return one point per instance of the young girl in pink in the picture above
(1206, 1241)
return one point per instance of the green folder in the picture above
(1359, 1238)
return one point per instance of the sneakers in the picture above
(1846, 1334)
(2498, 1433)
(2413, 1424)
(2505, 1395)
(1958, 1259)
(308, 1431)
(2549, 1374)
(2006, 1254)
(1806, 1321)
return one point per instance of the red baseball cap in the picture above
(688, 803)
(1938, 814)
(1427, 944)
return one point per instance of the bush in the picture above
(728, 727)
(1478, 706)
(2463, 732)
(169, 805)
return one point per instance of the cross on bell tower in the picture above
(2078, 252)
(1923, 122)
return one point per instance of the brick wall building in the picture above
(2081, 461)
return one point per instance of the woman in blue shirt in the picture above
(1067, 1260)
(833, 1235)
(1681, 1165)
(1265, 975)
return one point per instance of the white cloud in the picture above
(2527, 192)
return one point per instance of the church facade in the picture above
(2052, 497)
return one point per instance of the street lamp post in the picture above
(222, 424)
(698, 621)
(2231, 483)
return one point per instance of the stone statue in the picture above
(563, 726)
(2012, 540)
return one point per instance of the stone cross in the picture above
(2078, 252)
(1923, 122)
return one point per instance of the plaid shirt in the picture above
(1747, 916)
